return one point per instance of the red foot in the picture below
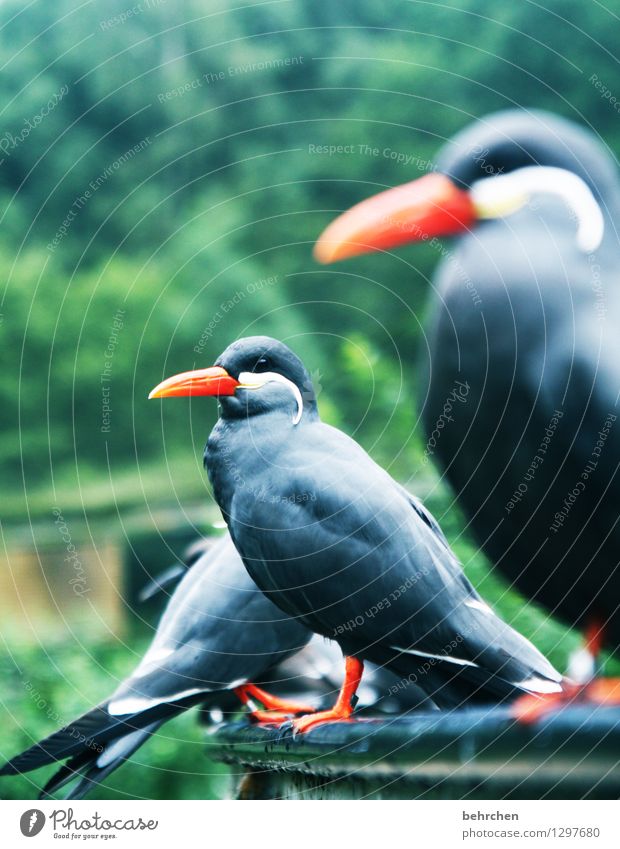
(529, 709)
(277, 710)
(343, 709)
(602, 691)
(303, 723)
(272, 717)
(595, 637)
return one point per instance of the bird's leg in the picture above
(276, 709)
(603, 691)
(529, 708)
(600, 690)
(353, 669)
(584, 662)
(582, 686)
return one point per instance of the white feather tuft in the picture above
(482, 606)
(137, 704)
(539, 685)
(252, 380)
(505, 193)
(447, 657)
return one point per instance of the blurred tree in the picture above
(162, 182)
(160, 159)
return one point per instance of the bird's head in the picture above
(489, 170)
(252, 376)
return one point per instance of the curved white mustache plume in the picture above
(252, 380)
(505, 193)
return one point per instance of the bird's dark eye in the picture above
(262, 364)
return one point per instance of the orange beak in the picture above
(430, 206)
(214, 381)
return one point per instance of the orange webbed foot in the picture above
(271, 702)
(529, 709)
(270, 717)
(304, 723)
(603, 691)
(342, 710)
(600, 691)
(276, 710)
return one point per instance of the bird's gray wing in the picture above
(219, 631)
(354, 558)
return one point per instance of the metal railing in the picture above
(464, 754)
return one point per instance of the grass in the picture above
(44, 688)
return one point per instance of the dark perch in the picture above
(465, 754)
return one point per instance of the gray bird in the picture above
(334, 541)
(218, 633)
(218, 636)
(523, 356)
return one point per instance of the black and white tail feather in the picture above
(94, 746)
(171, 678)
(490, 657)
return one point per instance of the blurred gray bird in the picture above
(218, 636)
(523, 353)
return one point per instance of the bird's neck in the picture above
(238, 450)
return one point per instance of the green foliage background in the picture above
(224, 107)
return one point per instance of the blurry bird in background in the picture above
(217, 636)
(313, 672)
(218, 632)
(162, 582)
(524, 314)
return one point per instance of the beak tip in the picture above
(327, 251)
(321, 254)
